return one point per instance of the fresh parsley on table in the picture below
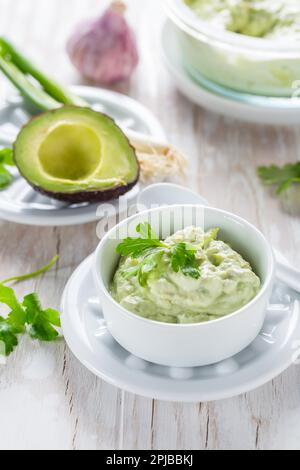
(26, 316)
(149, 249)
(281, 177)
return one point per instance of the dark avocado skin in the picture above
(88, 196)
(81, 196)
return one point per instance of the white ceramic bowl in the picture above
(260, 66)
(191, 345)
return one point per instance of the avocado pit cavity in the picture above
(70, 152)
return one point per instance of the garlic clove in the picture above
(105, 50)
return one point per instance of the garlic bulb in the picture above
(105, 50)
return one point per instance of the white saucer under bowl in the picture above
(268, 356)
(242, 106)
(21, 204)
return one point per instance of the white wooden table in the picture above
(47, 399)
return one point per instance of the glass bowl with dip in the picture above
(250, 46)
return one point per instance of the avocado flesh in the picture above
(76, 155)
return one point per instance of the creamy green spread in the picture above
(226, 283)
(259, 18)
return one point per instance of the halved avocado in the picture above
(76, 155)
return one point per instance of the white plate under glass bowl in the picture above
(242, 106)
(21, 204)
(268, 356)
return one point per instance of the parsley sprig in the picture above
(281, 177)
(6, 159)
(148, 250)
(183, 258)
(40, 323)
(148, 247)
(26, 316)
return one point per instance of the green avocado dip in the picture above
(258, 18)
(191, 277)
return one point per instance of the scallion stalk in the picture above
(18, 69)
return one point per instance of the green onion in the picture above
(19, 69)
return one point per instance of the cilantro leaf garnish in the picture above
(281, 177)
(6, 159)
(148, 247)
(183, 258)
(137, 247)
(40, 322)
